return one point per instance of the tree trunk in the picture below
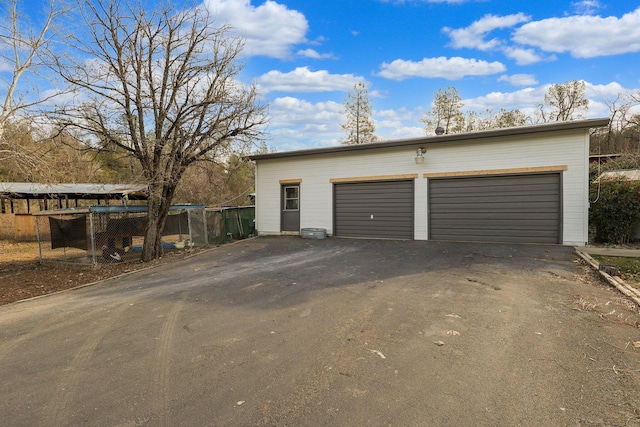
(158, 209)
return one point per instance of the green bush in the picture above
(615, 210)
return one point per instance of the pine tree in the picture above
(358, 108)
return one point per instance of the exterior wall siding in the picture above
(565, 148)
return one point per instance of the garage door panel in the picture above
(499, 238)
(499, 185)
(376, 211)
(389, 202)
(498, 193)
(376, 232)
(375, 195)
(376, 218)
(469, 211)
(502, 197)
(375, 198)
(472, 208)
(507, 180)
(501, 235)
(382, 223)
(449, 191)
(496, 233)
(370, 230)
(502, 221)
(353, 219)
(517, 208)
(497, 229)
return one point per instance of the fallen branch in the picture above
(617, 283)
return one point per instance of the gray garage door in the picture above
(381, 209)
(512, 208)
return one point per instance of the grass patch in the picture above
(629, 267)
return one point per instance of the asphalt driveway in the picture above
(286, 331)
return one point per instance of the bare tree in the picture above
(446, 112)
(160, 85)
(509, 118)
(358, 108)
(564, 102)
(24, 49)
(624, 127)
(229, 180)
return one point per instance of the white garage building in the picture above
(526, 184)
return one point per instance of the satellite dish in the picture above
(439, 130)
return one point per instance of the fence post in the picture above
(189, 224)
(240, 225)
(93, 239)
(204, 227)
(37, 234)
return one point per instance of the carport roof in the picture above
(117, 209)
(628, 175)
(29, 190)
(428, 140)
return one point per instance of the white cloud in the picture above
(586, 7)
(58, 97)
(526, 99)
(379, 93)
(584, 36)
(441, 67)
(404, 132)
(607, 91)
(523, 56)
(298, 112)
(398, 124)
(295, 104)
(519, 79)
(317, 41)
(399, 115)
(270, 29)
(302, 79)
(473, 36)
(600, 96)
(523, 99)
(298, 124)
(314, 54)
(6, 67)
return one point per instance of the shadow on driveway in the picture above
(294, 267)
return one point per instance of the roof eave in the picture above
(429, 140)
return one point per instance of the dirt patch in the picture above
(22, 276)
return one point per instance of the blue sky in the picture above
(305, 55)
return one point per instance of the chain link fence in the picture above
(108, 234)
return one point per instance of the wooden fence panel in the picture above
(25, 228)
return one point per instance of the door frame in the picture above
(289, 211)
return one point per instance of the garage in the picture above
(524, 208)
(380, 209)
(525, 184)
